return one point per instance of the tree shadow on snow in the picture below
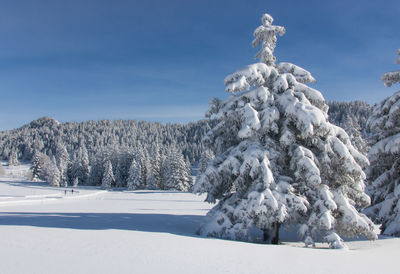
(156, 192)
(184, 225)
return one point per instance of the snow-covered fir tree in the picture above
(177, 173)
(134, 176)
(97, 167)
(50, 172)
(278, 159)
(122, 171)
(108, 176)
(384, 155)
(143, 162)
(13, 158)
(53, 177)
(156, 166)
(62, 161)
(37, 165)
(80, 165)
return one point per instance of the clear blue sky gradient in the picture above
(163, 60)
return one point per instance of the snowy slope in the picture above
(20, 171)
(16, 189)
(150, 232)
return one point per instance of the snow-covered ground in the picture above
(93, 231)
(15, 188)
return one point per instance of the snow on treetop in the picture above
(267, 19)
(266, 36)
(301, 75)
(244, 79)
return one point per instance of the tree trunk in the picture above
(275, 239)
(265, 235)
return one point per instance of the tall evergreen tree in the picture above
(108, 176)
(50, 172)
(37, 165)
(177, 176)
(97, 168)
(278, 159)
(80, 165)
(13, 158)
(384, 172)
(156, 166)
(134, 176)
(53, 177)
(62, 162)
(144, 167)
(122, 170)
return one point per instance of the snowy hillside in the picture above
(16, 189)
(95, 231)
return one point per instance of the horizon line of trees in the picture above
(77, 153)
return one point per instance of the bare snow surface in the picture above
(44, 230)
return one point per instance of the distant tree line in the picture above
(352, 117)
(141, 154)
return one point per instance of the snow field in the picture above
(20, 171)
(16, 189)
(151, 232)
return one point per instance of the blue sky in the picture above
(163, 60)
